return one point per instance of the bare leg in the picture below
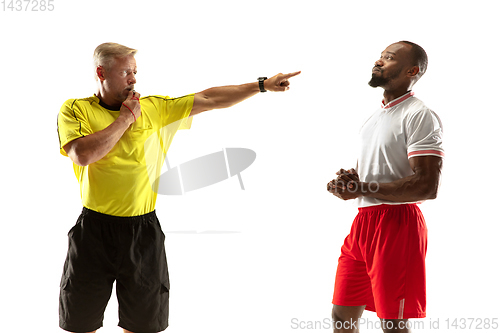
(345, 318)
(395, 326)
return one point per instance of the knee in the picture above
(342, 321)
(346, 313)
(336, 314)
(345, 319)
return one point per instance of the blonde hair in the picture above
(105, 54)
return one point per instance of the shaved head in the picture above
(418, 57)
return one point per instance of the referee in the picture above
(117, 237)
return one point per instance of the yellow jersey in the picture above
(124, 182)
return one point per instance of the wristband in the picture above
(261, 84)
(130, 111)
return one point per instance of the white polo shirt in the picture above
(400, 130)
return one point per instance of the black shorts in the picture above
(102, 249)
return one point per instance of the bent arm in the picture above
(91, 148)
(422, 185)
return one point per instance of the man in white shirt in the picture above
(382, 263)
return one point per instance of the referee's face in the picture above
(121, 78)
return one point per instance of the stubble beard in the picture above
(122, 95)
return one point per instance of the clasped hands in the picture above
(346, 186)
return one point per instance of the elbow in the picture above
(434, 192)
(432, 196)
(428, 185)
(78, 157)
(79, 160)
(430, 192)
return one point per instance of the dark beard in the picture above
(378, 81)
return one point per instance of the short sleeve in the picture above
(179, 109)
(71, 124)
(424, 134)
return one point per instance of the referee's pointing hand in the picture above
(279, 82)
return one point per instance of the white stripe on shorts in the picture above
(401, 308)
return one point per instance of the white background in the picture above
(279, 263)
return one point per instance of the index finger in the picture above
(287, 76)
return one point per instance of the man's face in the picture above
(390, 70)
(119, 78)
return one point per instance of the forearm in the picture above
(421, 185)
(227, 96)
(93, 147)
(408, 189)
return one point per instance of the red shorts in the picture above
(382, 264)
